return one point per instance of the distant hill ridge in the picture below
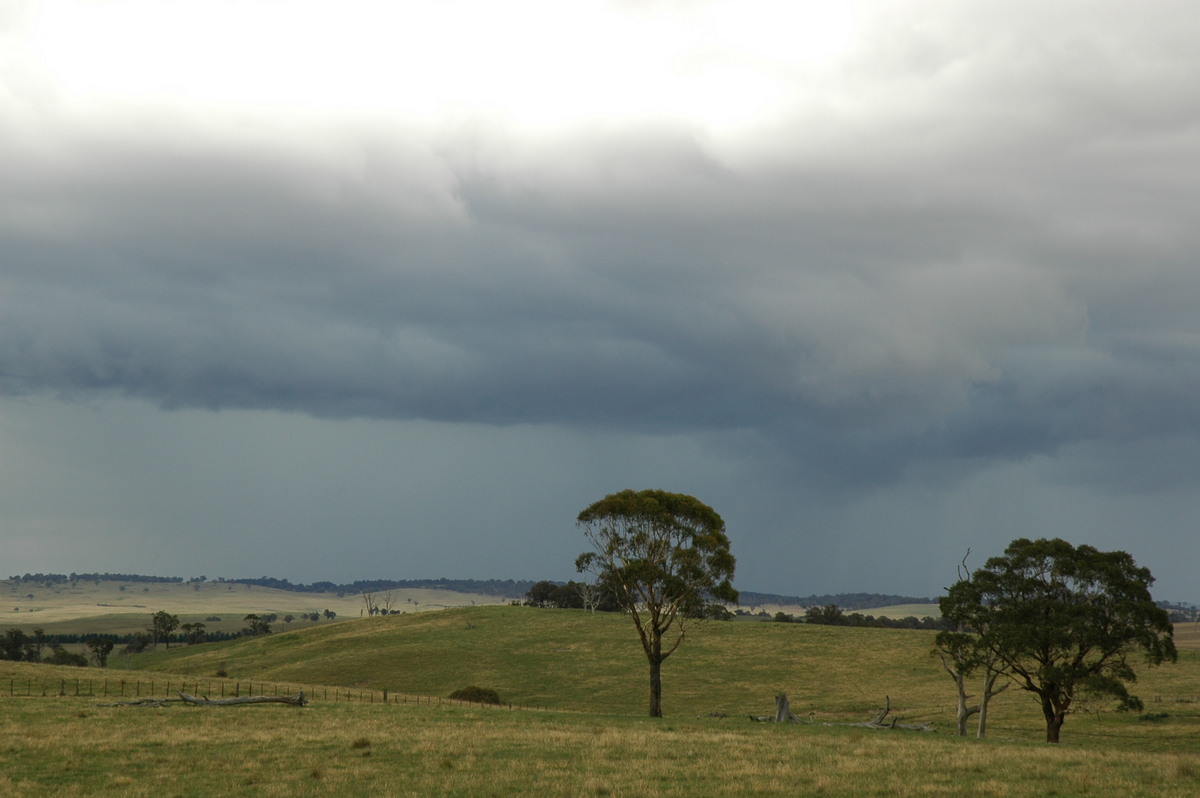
(487, 587)
(514, 588)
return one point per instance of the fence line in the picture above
(167, 688)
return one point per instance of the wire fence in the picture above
(135, 689)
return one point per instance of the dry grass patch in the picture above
(65, 746)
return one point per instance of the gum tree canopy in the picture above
(1065, 619)
(666, 556)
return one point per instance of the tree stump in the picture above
(783, 709)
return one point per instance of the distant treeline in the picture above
(847, 601)
(65, 638)
(53, 579)
(832, 615)
(487, 587)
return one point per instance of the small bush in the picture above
(476, 695)
(63, 657)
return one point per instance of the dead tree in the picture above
(590, 594)
(961, 656)
(369, 604)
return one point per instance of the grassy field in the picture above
(569, 659)
(71, 747)
(587, 675)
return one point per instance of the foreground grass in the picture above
(588, 674)
(70, 746)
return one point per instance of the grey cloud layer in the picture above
(975, 243)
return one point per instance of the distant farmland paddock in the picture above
(903, 611)
(119, 607)
(894, 611)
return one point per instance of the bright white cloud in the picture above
(533, 64)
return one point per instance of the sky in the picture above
(369, 290)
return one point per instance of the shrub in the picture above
(63, 657)
(476, 695)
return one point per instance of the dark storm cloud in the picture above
(953, 302)
(960, 249)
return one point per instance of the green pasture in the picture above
(577, 683)
(574, 660)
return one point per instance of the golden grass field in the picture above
(120, 607)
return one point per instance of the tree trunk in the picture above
(655, 688)
(989, 690)
(964, 710)
(981, 729)
(1054, 719)
(1053, 727)
(654, 655)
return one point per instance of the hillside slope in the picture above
(569, 659)
(573, 659)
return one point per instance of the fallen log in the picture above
(297, 700)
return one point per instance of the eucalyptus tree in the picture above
(665, 556)
(1063, 620)
(162, 623)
